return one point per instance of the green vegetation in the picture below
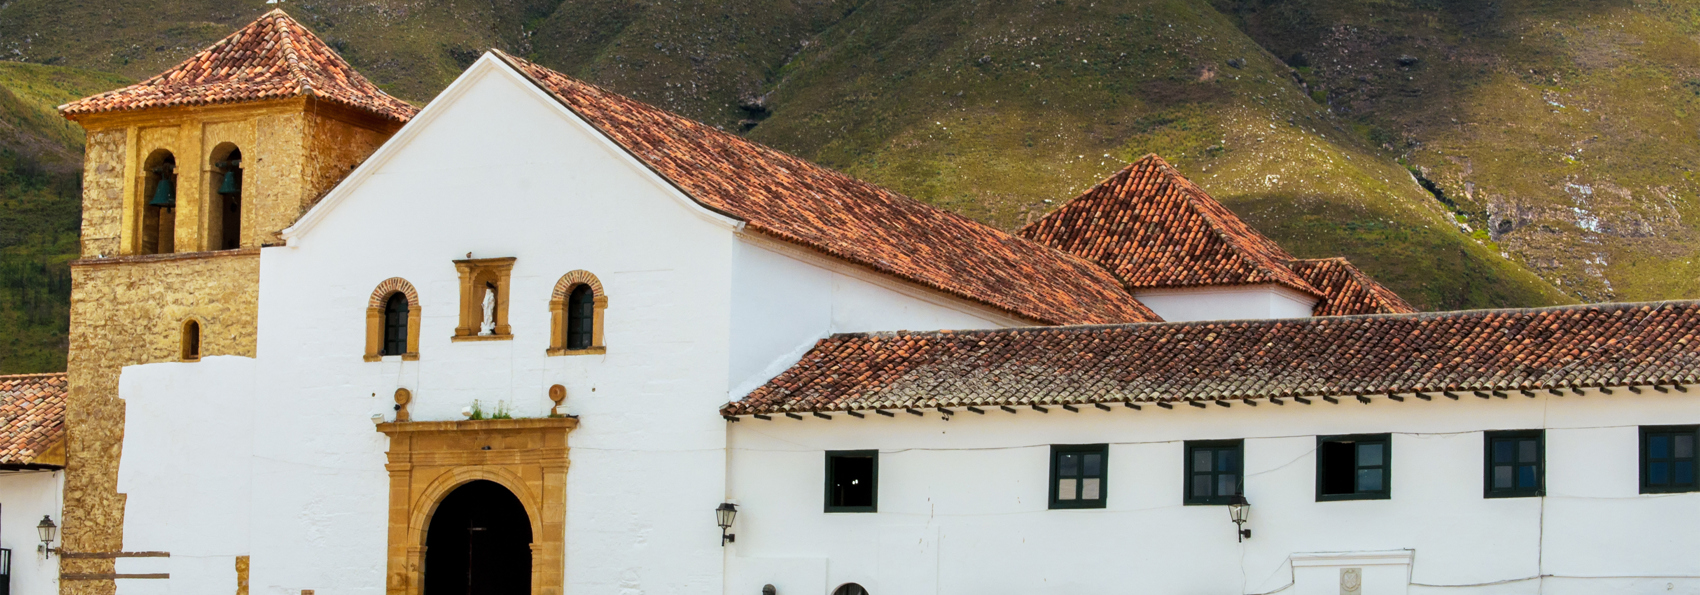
(1467, 154)
(40, 181)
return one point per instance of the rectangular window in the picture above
(1516, 464)
(1354, 467)
(1077, 475)
(852, 480)
(1215, 471)
(1667, 459)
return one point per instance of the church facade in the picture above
(536, 337)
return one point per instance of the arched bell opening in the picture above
(159, 207)
(478, 543)
(224, 218)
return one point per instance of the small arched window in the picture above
(581, 317)
(158, 204)
(191, 341)
(575, 311)
(850, 589)
(395, 324)
(392, 321)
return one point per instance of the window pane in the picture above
(1527, 451)
(1226, 459)
(1527, 478)
(1089, 489)
(1369, 455)
(1201, 460)
(1658, 446)
(1684, 446)
(1502, 451)
(1501, 477)
(1684, 473)
(1369, 480)
(1227, 484)
(1201, 486)
(1093, 464)
(1658, 473)
(1065, 489)
(852, 480)
(1337, 470)
(1068, 464)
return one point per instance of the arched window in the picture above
(850, 589)
(191, 341)
(392, 321)
(395, 325)
(581, 317)
(224, 212)
(575, 312)
(159, 204)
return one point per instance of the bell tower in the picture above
(187, 175)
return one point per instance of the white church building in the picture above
(547, 340)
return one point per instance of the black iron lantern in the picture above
(1240, 511)
(724, 516)
(46, 530)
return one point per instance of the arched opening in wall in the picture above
(850, 589)
(159, 206)
(575, 315)
(191, 341)
(395, 324)
(478, 543)
(224, 215)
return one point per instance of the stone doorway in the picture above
(478, 543)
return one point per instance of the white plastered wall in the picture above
(1226, 302)
(24, 497)
(963, 503)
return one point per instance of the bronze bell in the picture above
(232, 182)
(164, 195)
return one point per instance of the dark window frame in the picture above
(1386, 491)
(827, 499)
(395, 325)
(1540, 489)
(1102, 450)
(1190, 499)
(1644, 453)
(580, 329)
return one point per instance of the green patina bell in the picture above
(164, 195)
(232, 182)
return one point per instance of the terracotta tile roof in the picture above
(802, 203)
(32, 417)
(1154, 228)
(1347, 290)
(274, 57)
(1487, 350)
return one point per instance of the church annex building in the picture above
(539, 338)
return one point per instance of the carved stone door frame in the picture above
(428, 460)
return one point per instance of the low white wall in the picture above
(25, 496)
(963, 503)
(1226, 302)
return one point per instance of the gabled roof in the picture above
(1347, 290)
(812, 206)
(32, 420)
(1155, 228)
(274, 57)
(1504, 351)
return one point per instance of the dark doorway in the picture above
(478, 543)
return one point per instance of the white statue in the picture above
(489, 326)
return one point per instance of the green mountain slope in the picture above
(40, 207)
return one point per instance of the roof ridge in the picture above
(32, 375)
(291, 55)
(1206, 206)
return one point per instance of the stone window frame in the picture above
(558, 314)
(474, 274)
(184, 341)
(375, 319)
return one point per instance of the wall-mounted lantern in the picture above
(47, 531)
(1240, 511)
(724, 516)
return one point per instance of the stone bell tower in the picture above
(186, 176)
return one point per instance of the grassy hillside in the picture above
(40, 180)
(1468, 154)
